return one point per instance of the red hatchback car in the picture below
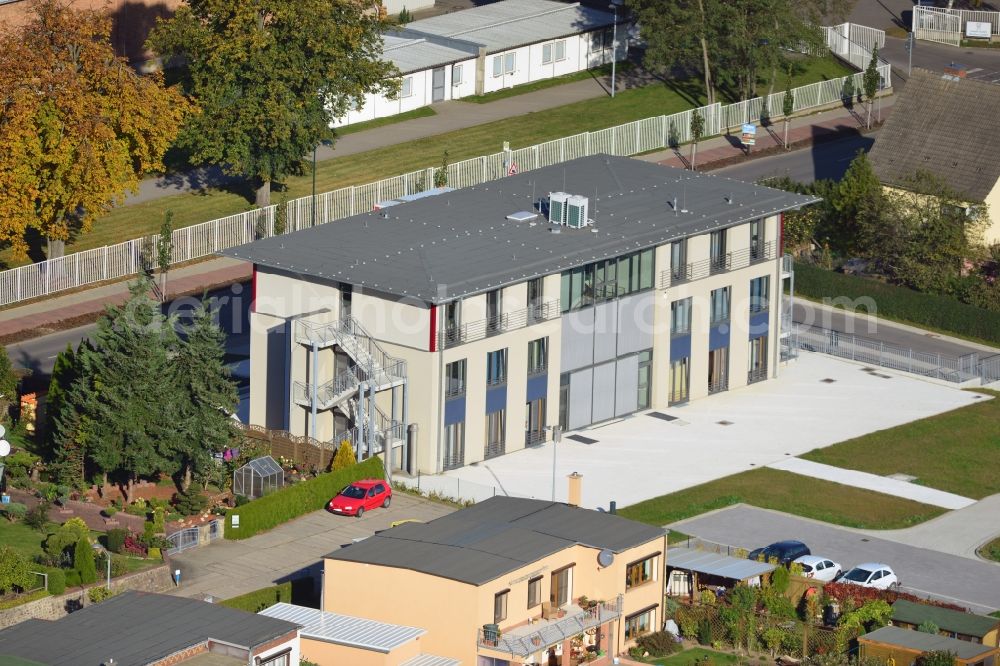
(360, 496)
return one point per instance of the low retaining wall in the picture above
(156, 579)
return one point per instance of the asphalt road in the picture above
(921, 571)
(825, 160)
(808, 314)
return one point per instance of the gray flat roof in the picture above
(460, 243)
(947, 619)
(505, 25)
(412, 54)
(492, 538)
(923, 642)
(430, 660)
(135, 629)
(716, 564)
(347, 630)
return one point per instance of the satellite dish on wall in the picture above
(605, 558)
(4, 447)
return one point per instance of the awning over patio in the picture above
(715, 564)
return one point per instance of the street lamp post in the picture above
(313, 223)
(614, 48)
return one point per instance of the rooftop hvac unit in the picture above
(557, 207)
(576, 211)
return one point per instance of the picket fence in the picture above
(123, 260)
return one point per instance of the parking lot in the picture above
(928, 573)
(294, 550)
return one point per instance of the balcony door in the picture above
(561, 590)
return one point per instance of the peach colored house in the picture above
(506, 582)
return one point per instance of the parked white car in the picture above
(820, 568)
(871, 574)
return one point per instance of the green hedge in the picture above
(57, 580)
(943, 313)
(258, 600)
(297, 499)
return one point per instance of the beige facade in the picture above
(412, 331)
(454, 613)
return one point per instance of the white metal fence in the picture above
(123, 260)
(937, 24)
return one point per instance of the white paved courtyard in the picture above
(644, 456)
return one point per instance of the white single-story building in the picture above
(489, 48)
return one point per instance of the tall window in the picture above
(538, 356)
(680, 317)
(561, 587)
(640, 623)
(678, 260)
(535, 293)
(640, 572)
(644, 385)
(496, 367)
(564, 401)
(680, 380)
(756, 240)
(718, 370)
(406, 90)
(758, 360)
(534, 592)
(456, 75)
(454, 374)
(534, 424)
(718, 248)
(500, 606)
(453, 321)
(720, 305)
(454, 445)
(759, 293)
(494, 305)
(496, 433)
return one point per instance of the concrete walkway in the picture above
(821, 126)
(227, 568)
(959, 532)
(879, 484)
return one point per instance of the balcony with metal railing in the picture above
(532, 638)
(508, 321)
(731, 261)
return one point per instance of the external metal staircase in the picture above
(372, 371)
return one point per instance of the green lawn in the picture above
(784, 491)
(991, 551)
(128, 222)
(603, 70)
(955, 451)
(422, 112)
(699, 656)
(23, 538)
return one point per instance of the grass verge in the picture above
(972, 438)
(136, 220)
(422, 112)
(991, 551)
(22, 538)
(603, 70)
(695, 656)
(791, 493)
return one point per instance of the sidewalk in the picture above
(723, 150)
(75, 308)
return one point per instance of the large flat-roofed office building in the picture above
(485, 316)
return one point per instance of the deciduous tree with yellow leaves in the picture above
(78, 126)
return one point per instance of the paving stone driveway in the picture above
(229, 568)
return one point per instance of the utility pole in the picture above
(909, 48)
(556, 437)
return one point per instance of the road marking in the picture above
(973, 70)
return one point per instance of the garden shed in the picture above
(690, 569)
(258, 477)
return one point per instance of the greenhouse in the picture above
(258, 477)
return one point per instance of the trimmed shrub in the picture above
(38, 516)
(15, 571)
(15, 511)
(71, 577)
(258, 600)
(83, 561)
(99, 594)
(705, 631)
(941, 312)
(57, 580)
(293, 501)
(138, 508)
(119, 565)
(658, 644)
(155, 554)
(115, 539)
(67, 536)
(191, 502)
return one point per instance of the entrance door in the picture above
(437, 87)
(534, 426)
(559, 592)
